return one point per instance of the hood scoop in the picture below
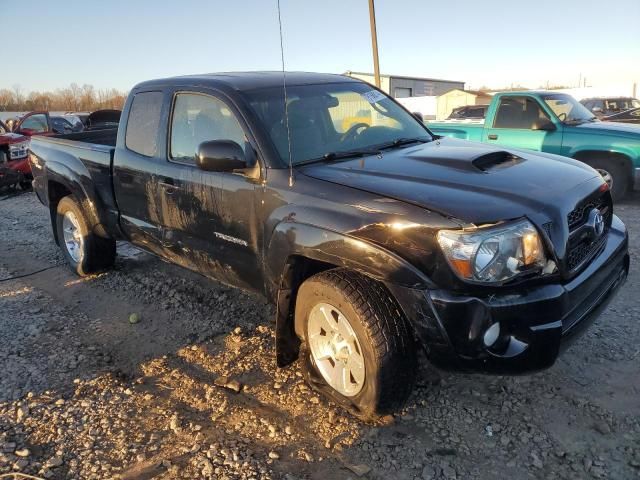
(496, 161)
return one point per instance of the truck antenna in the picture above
(286, 107)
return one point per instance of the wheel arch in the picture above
(62, 182)
(299, 251)
(593, 154)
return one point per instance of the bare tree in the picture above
(72, 98)
(6, 99)
(17, 94)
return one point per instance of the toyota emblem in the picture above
(597, 222)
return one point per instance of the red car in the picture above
(14, 158)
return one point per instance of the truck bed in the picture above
(106, 137)
(89, 154)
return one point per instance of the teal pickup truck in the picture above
(556, 123)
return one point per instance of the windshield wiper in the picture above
(338, 155)
(577, 121)
(402, 141)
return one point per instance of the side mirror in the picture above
(543, 124)
(220, 156)
(418, 116)
(596, 109)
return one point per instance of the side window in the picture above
(36, 123)
(200, 118)
(518, 112)
(143, 123)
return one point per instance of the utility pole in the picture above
(374, 43)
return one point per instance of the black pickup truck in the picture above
(372, 236)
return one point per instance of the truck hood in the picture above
(472, 182)
(610, 128)
(11, 138)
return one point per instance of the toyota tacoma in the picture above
(373, 237)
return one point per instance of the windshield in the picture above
(568, 109)
(332, 119)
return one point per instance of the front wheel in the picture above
(357, 346)
(84, 251)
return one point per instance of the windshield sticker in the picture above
(373, 96)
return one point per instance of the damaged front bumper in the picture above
(531, 325)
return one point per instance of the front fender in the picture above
(317, 243)
(617, 148)
(291, 239)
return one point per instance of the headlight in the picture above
(493, 254)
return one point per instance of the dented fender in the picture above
(291, 239)
(317, 243)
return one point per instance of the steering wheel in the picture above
(562, 116)
(353, 130)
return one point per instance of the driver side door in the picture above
(515, 125)
(35, 123)
(209, 219)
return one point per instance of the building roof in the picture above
(248, 80)
(404, 77)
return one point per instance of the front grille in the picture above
(578, 216)
(586, 246)
(583, 252)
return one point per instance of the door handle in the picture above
(492, 136)
(167, 185)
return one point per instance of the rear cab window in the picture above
(143, 123)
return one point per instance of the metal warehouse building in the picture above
(402, 87)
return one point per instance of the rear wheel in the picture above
(357, 347)
(615, 174)
(84, 251)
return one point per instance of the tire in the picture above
(25, 185)
(383, 341)
(91, 253)
(615, 174)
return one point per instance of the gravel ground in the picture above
(86, 394)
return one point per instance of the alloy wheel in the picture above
(336, 350)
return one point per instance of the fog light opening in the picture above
(491, 335)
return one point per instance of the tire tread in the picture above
(389, 333)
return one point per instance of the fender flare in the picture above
(72, 181)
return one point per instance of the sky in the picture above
(496, 43)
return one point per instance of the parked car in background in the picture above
(556, 123)
(60, 124)
(101, 119)
(628, 116)
(34, 123)
(81, 116)
(473, 112)
(372, 239)
(14, 162)
(612, 108)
